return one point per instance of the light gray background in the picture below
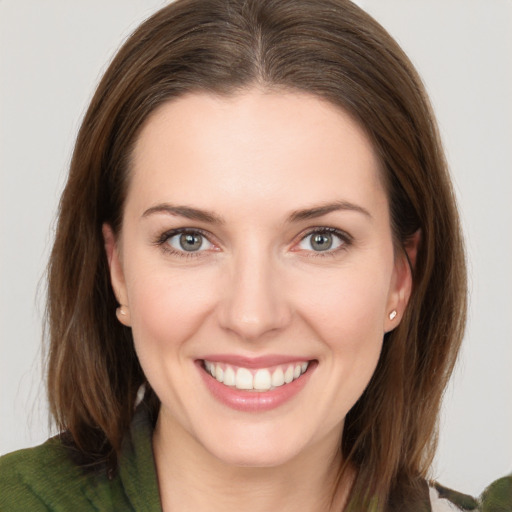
(52, 54)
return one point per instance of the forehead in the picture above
(256, 144)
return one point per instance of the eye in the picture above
(188, 241)
(323, 240)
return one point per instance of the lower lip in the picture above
(255, 401)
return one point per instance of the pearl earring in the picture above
(120, 311)
(392, 315)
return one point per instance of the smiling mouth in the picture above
(260, 380)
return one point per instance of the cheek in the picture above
(347, 317)
(351, 302)
(167, 306)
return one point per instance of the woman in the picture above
(258, 246)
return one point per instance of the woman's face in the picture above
(256, 245)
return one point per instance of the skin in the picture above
(256, 287)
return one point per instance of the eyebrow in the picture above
(296, 216)
(185, 211)
(324, 209)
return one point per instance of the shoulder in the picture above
(497, 497)
(443, 499)
(46, 478)
(29, 478)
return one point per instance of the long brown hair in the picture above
(329, 48)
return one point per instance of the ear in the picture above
(116, 274)
(402, 281)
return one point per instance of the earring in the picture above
(121, 311)
(123, 315)
(392, 315)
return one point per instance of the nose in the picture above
(254, 301)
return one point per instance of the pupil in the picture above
(190, 242)
(321, 241)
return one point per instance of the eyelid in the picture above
(163, 238)
(162, 242)
(345, 238)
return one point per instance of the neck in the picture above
(190, 478)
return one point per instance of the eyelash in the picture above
(345, 238)
(163, 239)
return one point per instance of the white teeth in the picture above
(261, 380)
(288, 374)
(243, 379)
(229, 376)
(210, 367)
(278, 378)
(219, 373)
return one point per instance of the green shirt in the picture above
(45, 478)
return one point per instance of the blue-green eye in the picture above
(321, 240)
(189, 241)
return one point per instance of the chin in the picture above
(250, 458)
(255, 449)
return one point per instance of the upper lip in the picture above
(255, 362)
